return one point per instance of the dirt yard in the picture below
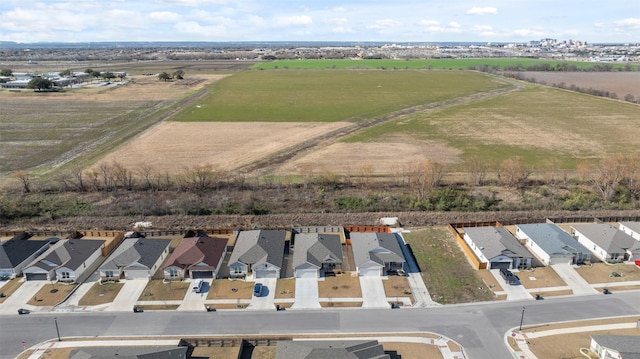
(230, 289)
(157, 290)
(9, 287)
(286, 288)
(540, 277)
(397, 286)
(101, 293)
(340, 286)
(602, 273)
(51, 294)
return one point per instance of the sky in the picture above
(26, 21)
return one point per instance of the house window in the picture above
(173, 272)
(65, 275)
(237, 270)
(108, 274)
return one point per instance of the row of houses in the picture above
(254, 253)
(498, 248)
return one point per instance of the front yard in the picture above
(540, 277)
(340, 286)
(156, 289)
(9, 287)
(397, 286)
(230, 289)
(51, 294)
(604, 273)
(101, 293)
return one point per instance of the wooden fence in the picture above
(472, 257)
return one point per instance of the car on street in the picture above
(257, 289)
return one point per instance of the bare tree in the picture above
(198, 177)
(514, 172)
(609, 173)
(145, 171)
(25, 180)
(122, 176)
(477, 169)
(426, 175)
(78, 174)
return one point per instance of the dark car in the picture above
(257, 289)
(509, 277)
(23, 311)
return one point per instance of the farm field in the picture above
(399, 64)
(620, 83)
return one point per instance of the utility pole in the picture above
(521, 318)
(55, 320)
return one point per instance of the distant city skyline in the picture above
(616, 21)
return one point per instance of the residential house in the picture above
(615, 346)
(196, 257)
(497, 247)
(607, 242)
(18, 252)
(68, 260)
(551, 244)
(311, 349)
(631, 228)
(316, 254)
(375, 253)
(125, 352)
(259, 253)
(135, 258)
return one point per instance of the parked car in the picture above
(257, 289)
(509, 277)
(23, 311)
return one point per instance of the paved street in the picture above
(479, 327)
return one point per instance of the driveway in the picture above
(514, 292)
(573, 279)
(128, 296)
(306, 294)
(195, 301)
(20, 297)
(373, 295)
(264, 302)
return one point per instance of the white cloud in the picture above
(482, 28)
(193, 2)
(384, 24)
(337, 21)
(342, 30)
(628, 24)
(435, 26)
(482, 11)
(293, 20)
(164, 16)
(529, 33)
(429, 23)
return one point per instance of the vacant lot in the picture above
(620, 83)
(603, 273)
(445, 269)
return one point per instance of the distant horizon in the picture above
(431, 21)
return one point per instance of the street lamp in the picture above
(521, 318)
(55, 320)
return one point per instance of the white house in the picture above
(66, 261)
(375, 253)
(631, 228)
(615, 346)
(606, 241)
(497, 247)
(551, 244)
(135, 258)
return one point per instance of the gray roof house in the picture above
(130, 353)
(335, 349)
(551, 244)
(497, 247)
(631, 228)
(606, 241)
(616, 346)
(66, 261)
(316, 253)
(258, 252)
(374, 252)
(18, 252)
(135, 258)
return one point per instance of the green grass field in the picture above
(326, 96)
(500, 63)
(536, 123)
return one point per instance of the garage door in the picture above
(36, 276)
(266, 274)
(201, 274)
(500, 265)
(137, 274)
(307, 273)
(367, 272)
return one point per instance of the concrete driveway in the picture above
(128, 296)
(195, 301)
(21, 296)
(573, 279)
(264, 302)
(514, 292)
(373, 295)
(306, 294)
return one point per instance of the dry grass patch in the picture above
(51, 294)
(229, 305)
(59, 353)
(580, 323)
(230, 289)
(622, 287)
(157, 290)
(397, 286)
(341, 286)
(286, 288)
(540, 277)
(568, 345)
(340, 304)
(101, 293)
(9, 287)
(489, 280)
(411, 350)
(158, 306)
(554, 293)
(601, 273)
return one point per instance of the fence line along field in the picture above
(620, 83)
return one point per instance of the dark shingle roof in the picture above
(380, 248)
(15, 251)
(136, 251)
(258, 247)
(315, 249)
(496, 241)
(129, 353)
(335, 349)
(70, 253)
